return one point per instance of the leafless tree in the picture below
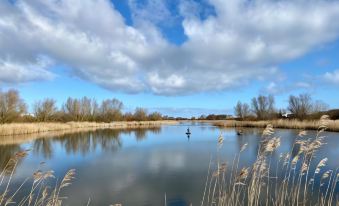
(263, 106)
(72, 108)
(89, 109)
(154, 116)
(140, 114)
(84, 109)
(242, 110)
(320, 106)
(11, 106)
(45, 110)
(110, 110)
(300, 105)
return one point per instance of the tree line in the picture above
(14, 109)
(301, 107)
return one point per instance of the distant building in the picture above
(28, 114)
(287, 115)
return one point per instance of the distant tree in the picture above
(84, 109)
(11, 106)
(202, 117)
(211, 117)
(140, 114)
(71, 108)
(111, 110)
(242, 110)
(300, 106)
(320, 106)
(45, 110)
(155, 116)
(128, 116)
(238, 110)
(246, 111)
(263, 106)
(89, 109)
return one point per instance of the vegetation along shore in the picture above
(32, 128)
(333, 125)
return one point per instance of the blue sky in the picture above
(180, 57)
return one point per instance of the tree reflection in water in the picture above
(80, 142)
(86, 142)
(6, 153)
(43, 146)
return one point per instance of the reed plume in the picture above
(293, 182)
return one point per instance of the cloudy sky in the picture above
(182, 57)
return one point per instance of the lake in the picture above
(145, 166)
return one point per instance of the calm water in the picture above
(138, 167)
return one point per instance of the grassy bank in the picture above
(333, 125)
(34, 128)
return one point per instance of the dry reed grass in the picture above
(34, 128)
(333, 125)
(260, 184)
(40, 192)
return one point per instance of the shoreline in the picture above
(333, 125)
(15, 129)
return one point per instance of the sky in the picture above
(179, 57)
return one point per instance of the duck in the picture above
(188, 131)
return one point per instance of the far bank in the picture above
(34, 128)
(332, 125)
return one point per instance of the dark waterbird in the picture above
(188, 133)
(240, 132)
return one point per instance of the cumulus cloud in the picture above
(240, 41)
(13, 72)
(332, 77)
(277, 88)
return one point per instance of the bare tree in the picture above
(72, 108)
(45, 110)
(128, 116)
(110, 110)
(242, 110)
(246, 110)
(300, 105)
(319, 106)
(11, 106)
(140, 114)
(89, 109)
(238, 110)
(155, 116)
(263, 106)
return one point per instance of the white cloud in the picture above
(332, 77)
(245, 40)
(304, 85)
(278, 88)
(12, 72)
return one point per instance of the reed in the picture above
(260, 184)
(41, 193)
(34, 128)
(333, 125)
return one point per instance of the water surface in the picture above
(142, 166)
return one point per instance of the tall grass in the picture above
(33, 128)
(333, 125)
(40, 192)
(288, 181)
